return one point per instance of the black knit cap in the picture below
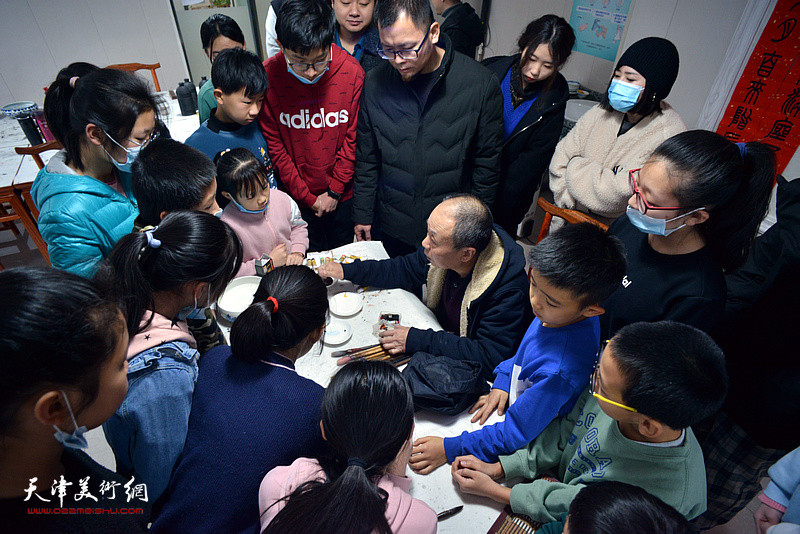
(656, 59)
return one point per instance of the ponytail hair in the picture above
(188, 246)
(611, 507)
(57, 330)
(367, 416)
(85, 94)
(289, 304)
(732, 181)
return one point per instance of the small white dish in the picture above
(237, 297)
(346, 304)
(337, 332)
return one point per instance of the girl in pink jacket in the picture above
(266, 220)
(360, 486)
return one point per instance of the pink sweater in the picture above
(280, 223)
(406, 515)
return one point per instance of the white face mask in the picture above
(74, 439)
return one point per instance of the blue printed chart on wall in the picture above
(599, 25)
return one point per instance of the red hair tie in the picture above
(274, 303)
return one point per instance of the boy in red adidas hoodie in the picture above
(309, 119)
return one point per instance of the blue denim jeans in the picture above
(148, 430)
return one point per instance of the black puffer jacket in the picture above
(369, 54)
(408, 160)
(527, 153)
(758, 331)
(464, 27)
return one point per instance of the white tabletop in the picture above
(436, 489)
(16, 169)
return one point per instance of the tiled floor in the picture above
(19, 251)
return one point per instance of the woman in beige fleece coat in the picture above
(589, 170)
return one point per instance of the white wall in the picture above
(700, 29)
(39, 37)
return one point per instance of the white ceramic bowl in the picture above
(346, 304)
(237, 297)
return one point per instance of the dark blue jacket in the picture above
(495, 312)
(246, 419)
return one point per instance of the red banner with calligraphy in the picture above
(766, 102)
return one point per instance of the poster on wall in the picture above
(598, 26)
(765, 106)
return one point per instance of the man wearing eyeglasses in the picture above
(309, 119)
(430, 125)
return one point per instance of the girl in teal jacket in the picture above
(102, 117)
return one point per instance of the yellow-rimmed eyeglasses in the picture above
(593, 383)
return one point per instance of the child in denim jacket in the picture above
(164, 275)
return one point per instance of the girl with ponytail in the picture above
(163, 276)
(102, 117)
(251, 410)
(360, 487)
(693, 214)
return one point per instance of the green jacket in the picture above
(586, 446)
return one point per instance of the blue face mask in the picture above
(74, 439)
(245, 210)
(218, 213)
(194, 312)
(649, 225)
(304, 80)
(130, 156)
(623, 95)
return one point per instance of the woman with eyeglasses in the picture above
(589, 170)
(535, 97)
(693, 213)
(102, 117)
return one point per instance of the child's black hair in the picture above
(419, 11)
(302, 308)
(305, 25)
(217, 25)
(672, 372)
(239, 173)
(187, 246)
(367, 415)
(733, 184)
(170, 176)
(56, 330)
(611, 507)
(108, 98)
(582, 259)
(236, 69)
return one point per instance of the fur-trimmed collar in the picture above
(483, 274)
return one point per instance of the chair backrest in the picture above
(133, 67)
(571, 216)
(34, 151)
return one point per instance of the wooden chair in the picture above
(571, 216)
(133, 67)
(24, 190)
(18, 211)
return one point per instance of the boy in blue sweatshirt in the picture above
(572, 270)
(240, 83)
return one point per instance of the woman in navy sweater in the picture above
(251, 411)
